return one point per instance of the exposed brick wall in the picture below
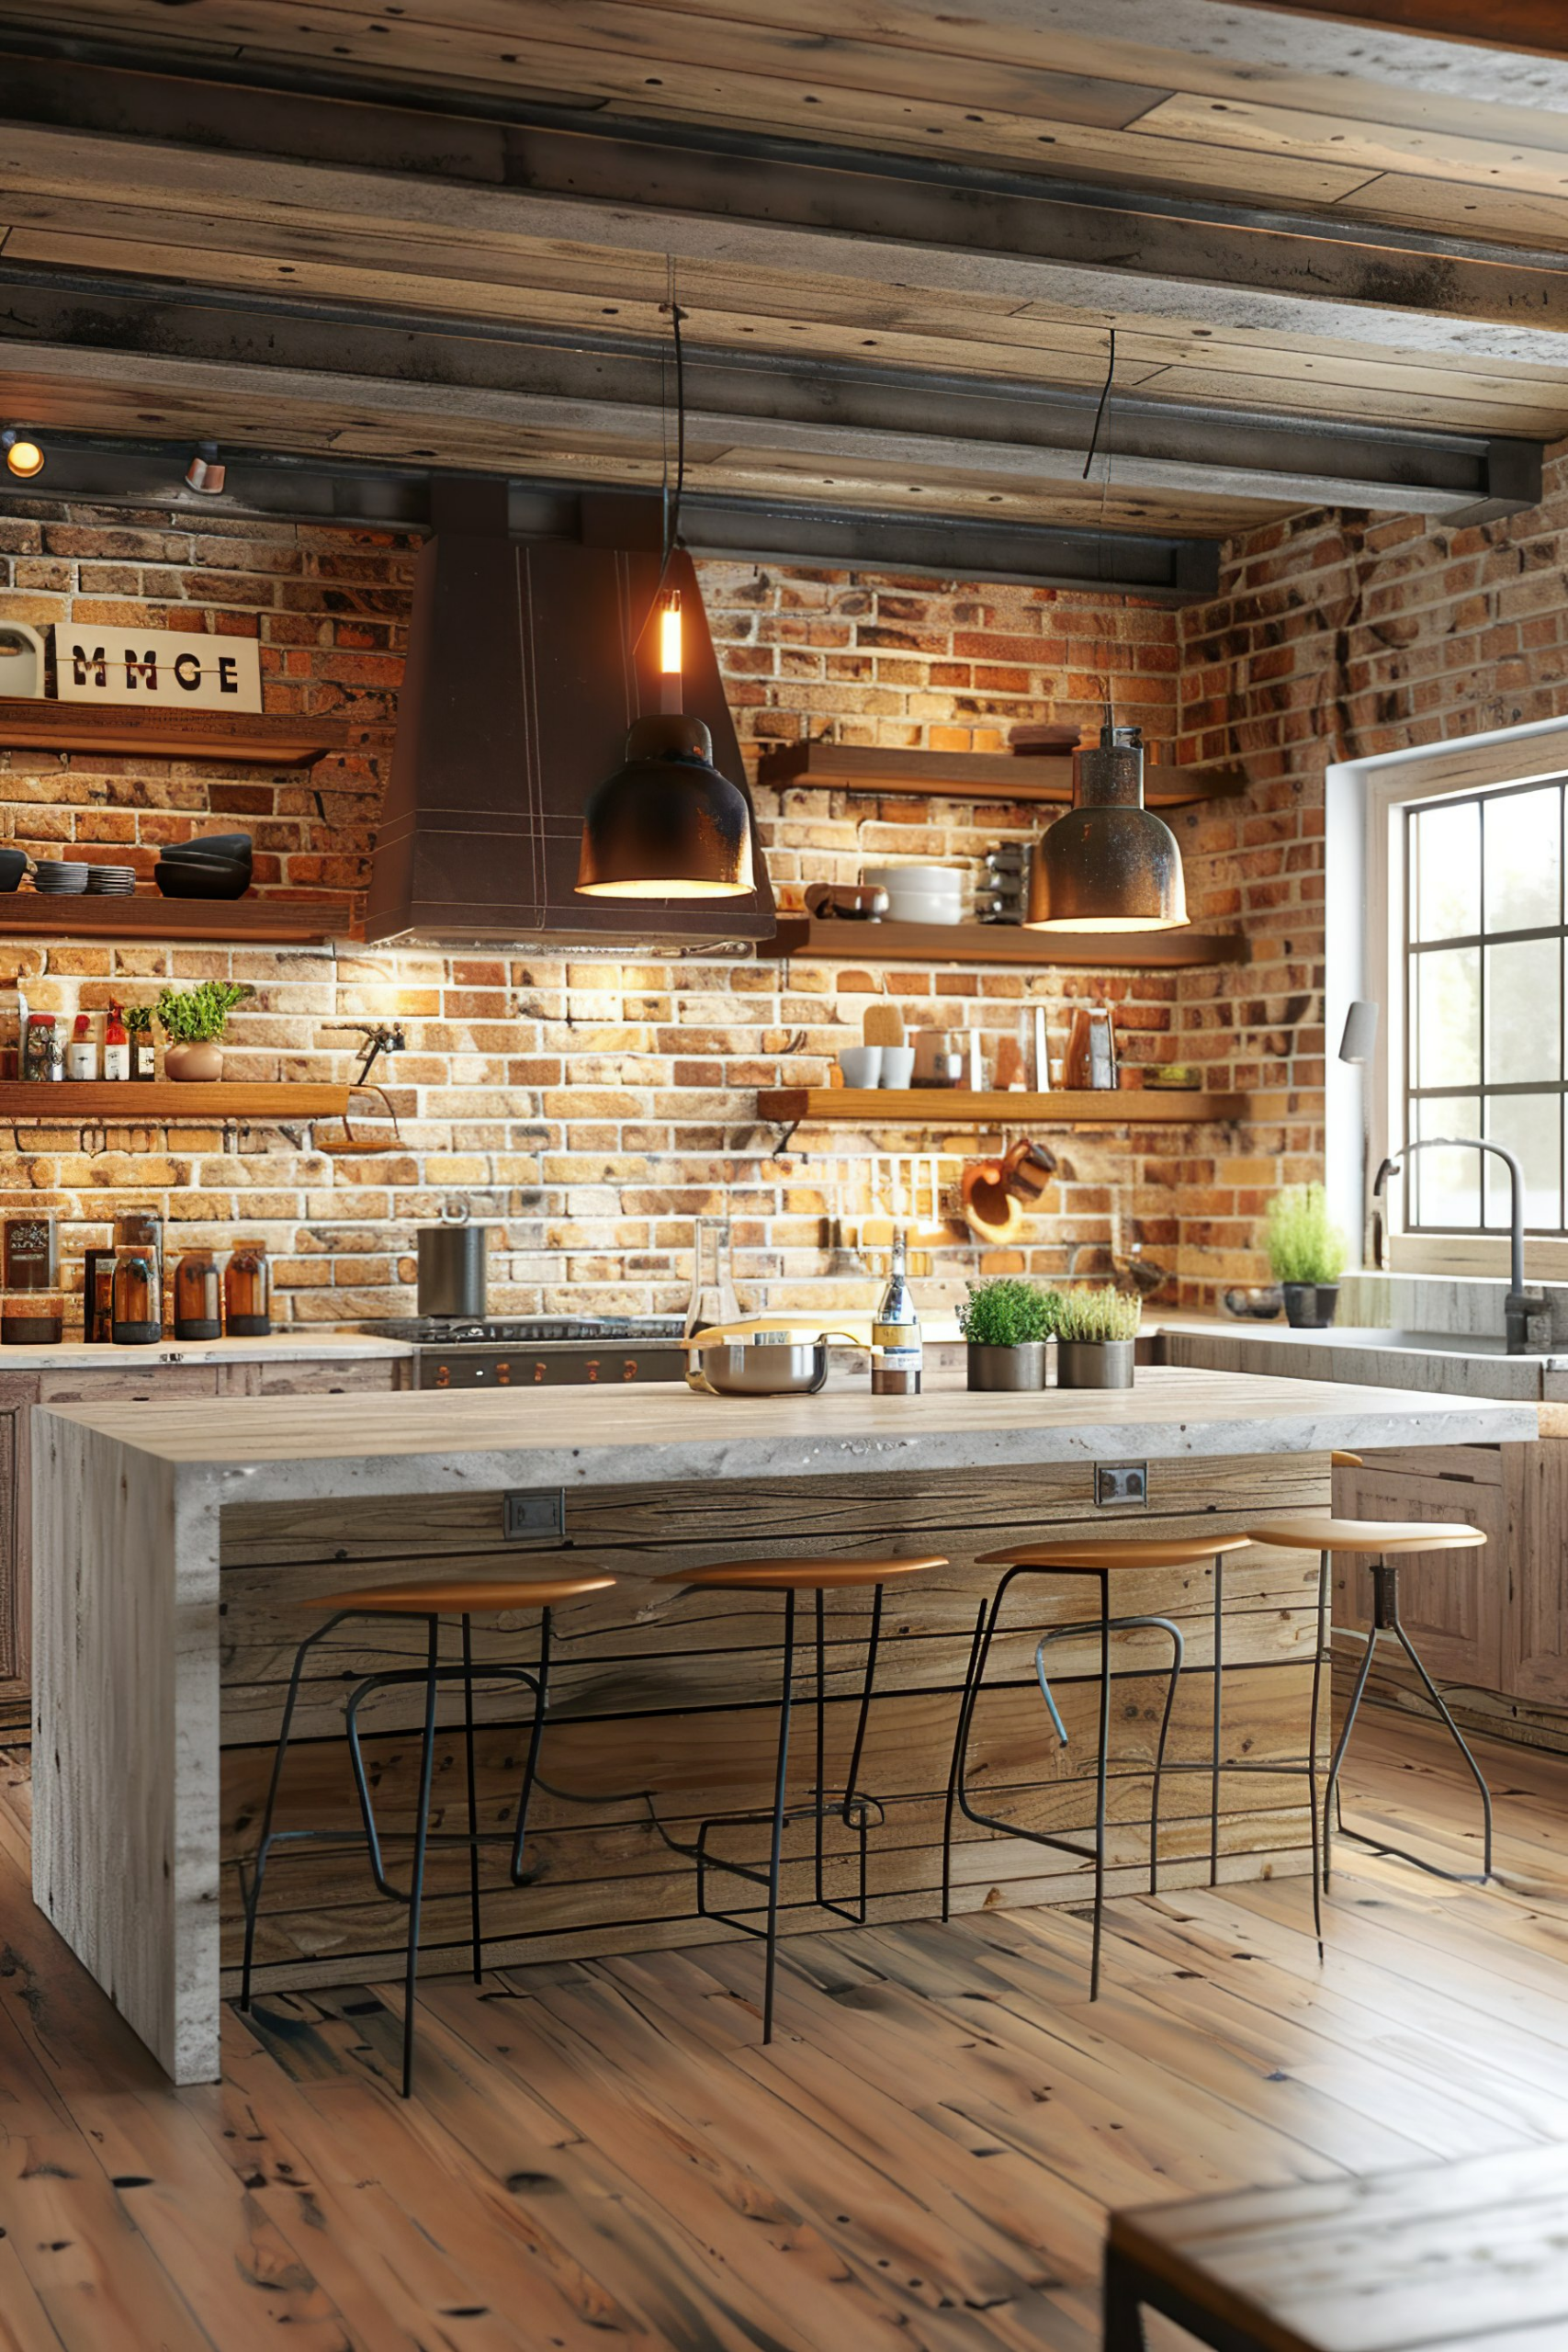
(601, 1105)
(1334, 637)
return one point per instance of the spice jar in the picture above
(247, 1292)
(43, 1055)
(198, 1297)
(97, 1297)
(137, 1299)
(26, 1251)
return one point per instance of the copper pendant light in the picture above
(1109, 864)
(667, 824)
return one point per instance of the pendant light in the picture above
(667, 824)
(1109, 864)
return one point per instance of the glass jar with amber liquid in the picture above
(198, 1297)
(247, 1292)
(138, 1309)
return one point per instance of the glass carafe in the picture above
(247, 1292)
(713, 1299)
(198, 1297)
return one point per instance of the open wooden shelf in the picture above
(1003, 943)
(290, 922)
(948, 1106)
(251, 737)
(978, 775)
(132, 1102)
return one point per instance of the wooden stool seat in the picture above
(798, 1576)
(1326, 1535)
(463, 1595)
(1117, 1552)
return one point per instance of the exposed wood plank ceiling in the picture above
(439, 233)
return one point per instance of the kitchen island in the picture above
(174, 1543)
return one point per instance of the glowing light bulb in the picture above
(669, 637)
(22, 457)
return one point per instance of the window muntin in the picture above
(1484, 1004)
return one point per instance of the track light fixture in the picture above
(23, 455)
(204, 471)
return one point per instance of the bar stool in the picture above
(432, 1598)
(1100, 1559)
(791, 1577)
(1384, 1538)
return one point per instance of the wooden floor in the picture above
(602, 2154)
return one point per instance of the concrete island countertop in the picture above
(426, 1441)
(289, 1345)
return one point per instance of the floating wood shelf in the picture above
(291, 923)
(944, 1106)
(977, 775)
(250, 738)
(135, 1104)
(1003, 943)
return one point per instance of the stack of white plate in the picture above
(921, 893)
(60, 879)
(111, 881)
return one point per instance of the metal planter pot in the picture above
(1095, 1364)
(1004, 1368)
(1310, 1306)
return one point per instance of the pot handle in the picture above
(712, 1334)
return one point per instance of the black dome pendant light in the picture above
(1109, 864)
(667, 824)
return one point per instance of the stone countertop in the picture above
(278, 1448)
(1445, 1369)
(286, 1346)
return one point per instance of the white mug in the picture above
(897, 1066)
(862, 1064)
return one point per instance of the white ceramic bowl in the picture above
(862, 1064)
(916, 907)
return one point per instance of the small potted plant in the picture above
(1306, 1253)
(192, 1021)
(1007, 1324)
(1097, 1335)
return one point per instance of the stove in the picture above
(540, 1351)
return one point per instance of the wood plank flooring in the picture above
(601, 2153)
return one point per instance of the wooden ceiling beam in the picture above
(928, 423)
(693, 193)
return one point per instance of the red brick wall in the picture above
(601, 1105)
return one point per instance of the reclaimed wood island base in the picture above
(171, 1548)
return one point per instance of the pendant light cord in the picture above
(672, 499)
(1100, 415)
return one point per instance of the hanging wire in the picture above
(671, 497)
(1101, 413)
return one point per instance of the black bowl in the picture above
(208, 880)
(12, 866)
(234, 847)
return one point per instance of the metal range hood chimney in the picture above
(521, 683)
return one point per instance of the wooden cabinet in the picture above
(143, 1382)
(1453, 1603)
(1535, 1646)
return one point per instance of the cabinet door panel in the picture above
(133, 1385)
(1535, 1661)
(1453, 1603)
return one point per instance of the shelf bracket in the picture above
(783, 1137)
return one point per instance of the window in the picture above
(1484, 1031)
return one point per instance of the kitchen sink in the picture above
(1426, 1343)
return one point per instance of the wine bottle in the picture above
(897, 1331)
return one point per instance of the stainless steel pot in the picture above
(762, 1360)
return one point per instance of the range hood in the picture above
(521, 682)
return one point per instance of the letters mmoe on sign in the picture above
(169, 668)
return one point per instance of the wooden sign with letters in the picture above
(162, 669)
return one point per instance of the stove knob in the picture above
(503, 1375)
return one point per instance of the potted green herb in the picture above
(192, 1021)
(1007, 1324)
(1306, 1253)
(1097, 1335)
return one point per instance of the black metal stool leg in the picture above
(1340, 1745)
(1318, 1665)
(535, 1736)
(421, 1839)
(1102, 1769)
(259, 1869)
(1217, 1741)
(775, 1860)
(474, 1918)
(954, 1769)
(1460, 1741)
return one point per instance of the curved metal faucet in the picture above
(1520, 1303)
